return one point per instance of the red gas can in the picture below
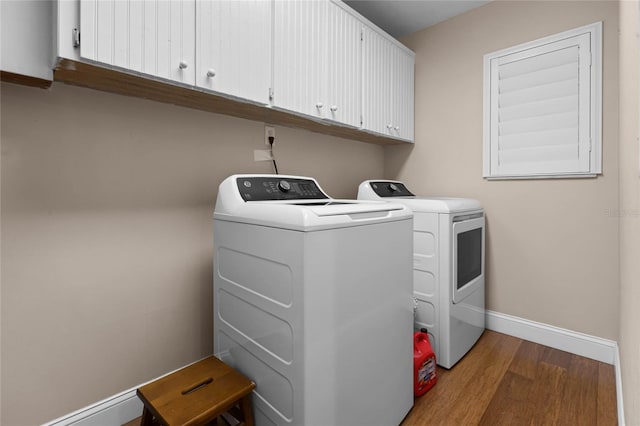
(424, 363)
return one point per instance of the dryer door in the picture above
(468, 255)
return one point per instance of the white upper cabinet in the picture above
(26, 52)
(155, 37)
(233, 47)
(317, 60)
(388, 82)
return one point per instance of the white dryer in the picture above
(448, 266)
(313, 301)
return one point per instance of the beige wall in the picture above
(107, 206)
(552, 245)
(629, 213)
(106, 213)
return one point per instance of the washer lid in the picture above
(297, 203)
(396, 192)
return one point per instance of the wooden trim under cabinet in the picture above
(25, 80)
(114, 81)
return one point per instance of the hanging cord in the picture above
(275, 166)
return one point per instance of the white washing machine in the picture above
(448, 266)
(313, 301)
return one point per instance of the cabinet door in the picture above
(155, 37)
(388, 72)
(402, 87)
(233, 45)
(343, 96)
(299, 67)
(377, 60)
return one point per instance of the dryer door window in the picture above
(469, 256)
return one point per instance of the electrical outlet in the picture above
(262, 155)
(269, 131)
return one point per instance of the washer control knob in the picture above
(284, 186)
(393, 187)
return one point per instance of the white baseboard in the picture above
(116, 410)
(126, 406)
(618, 367)
(113, 411)
(597, 348)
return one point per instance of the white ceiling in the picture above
(402, 17)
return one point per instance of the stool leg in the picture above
(247, 413)
(147, 417)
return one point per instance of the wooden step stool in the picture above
(197, 395)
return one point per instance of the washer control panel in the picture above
(390, 189)
(264, 188)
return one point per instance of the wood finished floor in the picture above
(504, 380)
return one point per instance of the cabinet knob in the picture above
(183, 65)
(319, 105)
(211, 73)
(389, 126)
(397, 128)
(334, 108)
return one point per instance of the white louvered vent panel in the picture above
(545, 92)
(532, 65)
(535, 154)
(543, 138)
(560, 156)
(539, 109)
(546, 123)
(149, 36)
(539, 78)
